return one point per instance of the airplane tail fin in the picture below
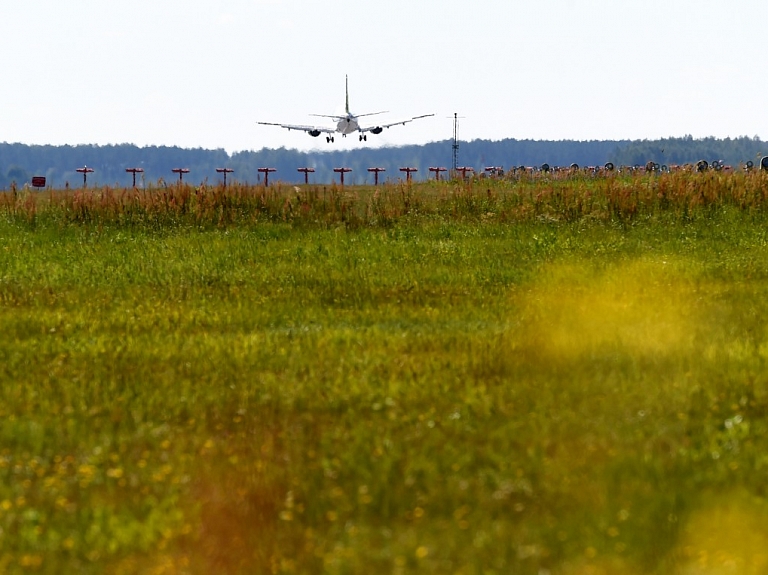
(346, 79)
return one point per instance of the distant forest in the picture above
(58, 164)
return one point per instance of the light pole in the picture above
(181, 172)
(85, 170)
(437, 171)
(225, 171)
(266, 172)
(376, 174)
(306, 172)
(134, 171)
(342, 171)
(408, 172)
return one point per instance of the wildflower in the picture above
(115, 473)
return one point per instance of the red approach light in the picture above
(266, 172)
(224, 171)
(437, 171)
(342, 171)
(376, 174)
(134, 171)
(306, 172)
(181, 172)
(85, 170)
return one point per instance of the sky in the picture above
(202, 73)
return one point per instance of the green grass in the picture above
(422, 390)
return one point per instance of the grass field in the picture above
(544, 377)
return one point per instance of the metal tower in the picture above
(455, 142)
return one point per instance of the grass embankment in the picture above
(452, 381)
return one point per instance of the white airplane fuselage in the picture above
(347, 125)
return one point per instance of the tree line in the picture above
(59, 164)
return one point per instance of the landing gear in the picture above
(329, 139)
(363, 137)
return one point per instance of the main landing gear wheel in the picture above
(329, 139)
(363, 137)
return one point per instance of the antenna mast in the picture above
(455, 142)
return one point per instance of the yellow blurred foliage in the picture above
(728, 536)
(643, 307)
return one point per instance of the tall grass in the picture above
(612, 198)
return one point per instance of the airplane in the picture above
(346, 124)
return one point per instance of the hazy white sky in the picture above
(201, 73)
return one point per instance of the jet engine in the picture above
(314, 133)
(377, 130)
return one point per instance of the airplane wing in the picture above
(342, 117)
(312, 130)
(371, 114)
(380, 127)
